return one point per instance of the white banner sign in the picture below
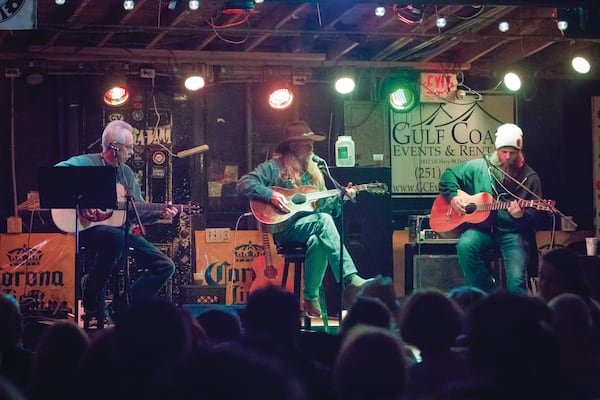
(433, 137)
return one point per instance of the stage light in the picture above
(580, 64)
(512, 81)
(59, 2)
(194, 82)
(193, 5)
(401, 92)
(380, 11)
(128, 5)
(281, 97)
(409, 13)
(503, 26)
(345, 85)
(562, 25)
(441, 22)
(116, 92)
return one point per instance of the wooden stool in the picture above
(295, 254)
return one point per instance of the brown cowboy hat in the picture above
(295, 131)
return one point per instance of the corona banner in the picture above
(39, 269)
(238, 263)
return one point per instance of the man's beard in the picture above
(511, 167)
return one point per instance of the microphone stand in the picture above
(342, 193)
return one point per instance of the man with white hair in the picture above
(511, 230)
(106, 242)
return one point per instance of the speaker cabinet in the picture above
(437, 271)
(431, 266)
(368, 222)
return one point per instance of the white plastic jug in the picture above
(344, 151)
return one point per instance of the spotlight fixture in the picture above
(512, 81)
(503, 26)
(281, 96)
(116, 92)
(194, 5)
(401, 92)
(194, 82)
(380, 11)
(580, 64)
(128, 5)
(410, 13)
(59, 2)
(441, 22)
(562, 25)
(345, 85)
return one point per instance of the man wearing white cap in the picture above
(511, 230)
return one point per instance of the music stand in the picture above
(77, 188)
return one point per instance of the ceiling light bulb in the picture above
(380, 11)
(194, 83)
(503, 26)
(194, 5)
(128, 5)
(259, 1)
(440, 22)
(59, 2)
(344, 85)
(512, 81)
(580, 65)
(562, 25)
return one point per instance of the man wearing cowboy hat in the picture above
(511, 230)
(290, 167)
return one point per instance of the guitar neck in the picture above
(331, 192)
(267, 248)
(143, 206)
(503, 205)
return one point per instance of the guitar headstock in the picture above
(377, 188)
(193, 209)
(545, 205)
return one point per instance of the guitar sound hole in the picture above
(470, 208)
(298, 198)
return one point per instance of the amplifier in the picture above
(198, 294)
(440, 271)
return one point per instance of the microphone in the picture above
(318, 160)
(192, 151)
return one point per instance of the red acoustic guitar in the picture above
(267, 273)
(301, 201)
(444, 219)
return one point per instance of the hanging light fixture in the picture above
(512, 81)
(281, 96)
(410, 13)
(503, 26)
(401, 93)
(193, 5)
(581, 64)
(345, 84)
(116, 91)
(128, 5)
(380, 10)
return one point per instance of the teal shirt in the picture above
(257, 184)
(124, 175)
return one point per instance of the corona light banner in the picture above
(39, 268)
(435, 136)
(238, 263)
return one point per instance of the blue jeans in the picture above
(107, 242)
(322, 240)
(472, 247)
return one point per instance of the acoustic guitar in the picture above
(64, 218)
(265, 271)
(301, 201)
(479, 206)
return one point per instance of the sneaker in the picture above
(312, 309)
